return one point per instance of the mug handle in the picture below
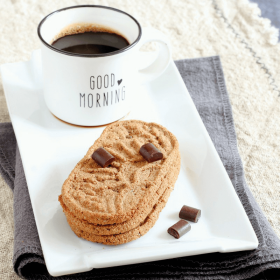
(157, 66)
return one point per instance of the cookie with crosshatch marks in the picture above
(112, 195)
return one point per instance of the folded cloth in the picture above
(205, 81)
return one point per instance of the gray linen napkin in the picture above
(205, 81)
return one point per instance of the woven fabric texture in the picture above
(205, 81)
(233, 29)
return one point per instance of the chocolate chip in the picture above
(102, 157)
(179, 229)
(190, 214)
(150, 153)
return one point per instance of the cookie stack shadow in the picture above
(120, 203)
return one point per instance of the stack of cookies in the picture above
(121, 202)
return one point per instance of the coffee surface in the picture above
(91, 43)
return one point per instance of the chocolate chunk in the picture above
(150, 153)
(190, 214)
(102, 157)
(179, 229)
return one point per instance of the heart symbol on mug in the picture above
(119, 81)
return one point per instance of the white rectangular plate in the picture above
(50, 149)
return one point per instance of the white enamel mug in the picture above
(96, 89)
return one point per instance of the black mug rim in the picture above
(89, 55)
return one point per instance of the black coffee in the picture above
(91, 43)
